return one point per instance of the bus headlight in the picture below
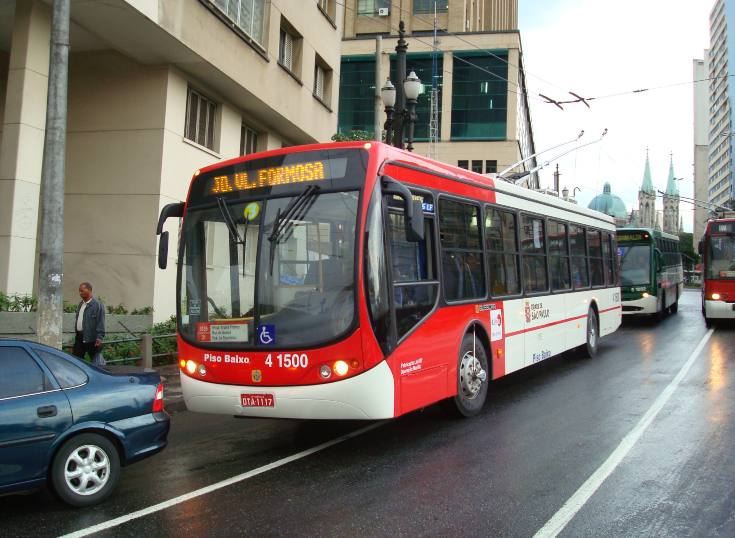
(341, 368)
(191, 366)
(325, 371)
(645, 295)
(715, 296)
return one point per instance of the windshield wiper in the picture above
(283, 223)
(232, 227)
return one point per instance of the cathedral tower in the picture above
(671, 203)
(647, 199)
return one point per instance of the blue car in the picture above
(71, 425)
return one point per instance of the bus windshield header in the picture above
(633, 236)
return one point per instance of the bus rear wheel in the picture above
(593, 334)
(472, 379)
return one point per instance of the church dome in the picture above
(609, 204)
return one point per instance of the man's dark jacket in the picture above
(93, 324)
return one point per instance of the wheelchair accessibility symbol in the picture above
(267, 335)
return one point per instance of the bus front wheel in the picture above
(473, 376)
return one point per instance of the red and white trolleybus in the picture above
(717, 248)
(359, 281)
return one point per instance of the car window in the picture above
(20, 373)
(67, 374)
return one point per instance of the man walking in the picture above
(90, 323)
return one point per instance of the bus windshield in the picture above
(635, 265)
(268, 249)
(305, 271)
(721, 256)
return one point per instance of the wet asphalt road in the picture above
(543, 432)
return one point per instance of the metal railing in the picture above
(145, 343)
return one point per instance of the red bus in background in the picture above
(717, 248)
(359, 281)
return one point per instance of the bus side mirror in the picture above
(163, 250)
(412, 209)
(169, 210)
(700, 247)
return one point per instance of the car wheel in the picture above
(85, 470)
(593, 335)
(472, 379)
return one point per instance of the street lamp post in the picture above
(400, 100)
(388, 94)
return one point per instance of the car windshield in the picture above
(277, 271)
(635, 265)
(721, 256)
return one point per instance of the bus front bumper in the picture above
(644, 305)
(719, 309)
(366, 396)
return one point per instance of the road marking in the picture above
(219, 485)
(575, 503)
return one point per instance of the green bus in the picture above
(651, 273)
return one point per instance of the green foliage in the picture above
(144, 311)
(70, 308)
(686, 246)
(355, 134)
(4, 302)
(18, 303)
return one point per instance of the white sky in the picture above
(595, 48)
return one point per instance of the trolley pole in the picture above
(50, 305)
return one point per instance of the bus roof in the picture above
(389, 154)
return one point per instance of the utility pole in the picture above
(50, 304)
(377, 126)
(434, 97)
(401, 48)
(556, 179)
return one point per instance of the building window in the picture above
(200, 119)
(477, 167)
(248, 140)
(462, 265)
(322, 81)
(464, 164)
(371, 7)
(421, 65)
(356, 94)
(248, 15)
(491, 167)
(328, 7)
(480, 99)
(427, 6)
(286, 50)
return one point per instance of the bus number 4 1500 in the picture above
(288, 360)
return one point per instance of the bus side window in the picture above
(533, 247)
(595, 256)
(501, 244)
(558, 256)
(415, 284)
(580, 276)
(462, 265)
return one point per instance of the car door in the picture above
(33, 413)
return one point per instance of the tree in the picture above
(686, 246)
(354, 134)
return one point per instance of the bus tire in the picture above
(590, 348)
(473, 376)
(707, 322)
(674, 307)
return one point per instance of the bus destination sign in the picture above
(268, 177)
(633, 236)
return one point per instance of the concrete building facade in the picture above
(157, 89)
(701, 144)
(721, 182)
(484, 120)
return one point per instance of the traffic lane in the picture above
(680, 479)
(202, 449)
(504, 473)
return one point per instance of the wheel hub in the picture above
(472, 375)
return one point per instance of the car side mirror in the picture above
(412, 209)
